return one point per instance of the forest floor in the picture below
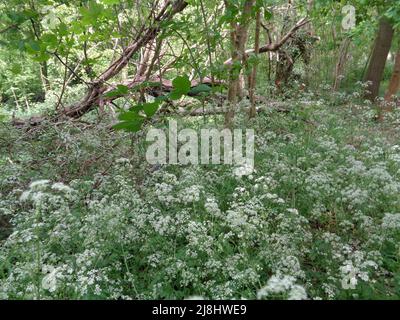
(82, 215)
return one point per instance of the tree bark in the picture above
(394, 84)
(340, 65)
(271, 47)
(239, 34)
(253, 77)
(94, 95)
(379, 56)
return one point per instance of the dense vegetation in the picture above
(83, 215)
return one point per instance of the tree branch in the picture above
(276, 46)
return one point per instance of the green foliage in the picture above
(318, 217)
(132, 121)
(82, 214)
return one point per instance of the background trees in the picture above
(83, 215)
(51, 47)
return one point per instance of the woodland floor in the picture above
(84, 216)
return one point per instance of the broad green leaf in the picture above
(175, 95)
(162, 98)
(33, 46)
(50, 40)
(130, 116)
(151, 108)
(42, 57)
(130, 126)
(63, 29)
(121, 90)
(201, 89)
(181, 84)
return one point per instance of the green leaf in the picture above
(63, 29)
(42, 57)
(130, 116)
(201, 89)
(92, 14)
(121, 90)
(50, 40)
(130, 126)
(268, 15)
(175, 95)
(182, 84)
(111, 1)
(162, 98)
(33, 46)
(151, 108)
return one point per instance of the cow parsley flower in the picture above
(39, 183)
(61, 187)
(297, 292)
(283, 285)
(391, 221)
(49, 282)
(244, 170)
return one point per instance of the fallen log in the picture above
(97, 89)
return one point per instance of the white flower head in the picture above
(49, 282)
(244, 170)
(25, 196)
(38, 184)
(297, 293)
(59, 186)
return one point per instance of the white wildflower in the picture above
(61, 187)
(38, 184)
(297, 293)
(391, 221)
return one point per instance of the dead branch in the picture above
(276, 46)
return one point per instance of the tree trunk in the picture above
(145, 59)
(253, 77)
(239, 33)
(97, 89)
(377, 63)
(44, 74)
(394, 84)
(343, 57)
